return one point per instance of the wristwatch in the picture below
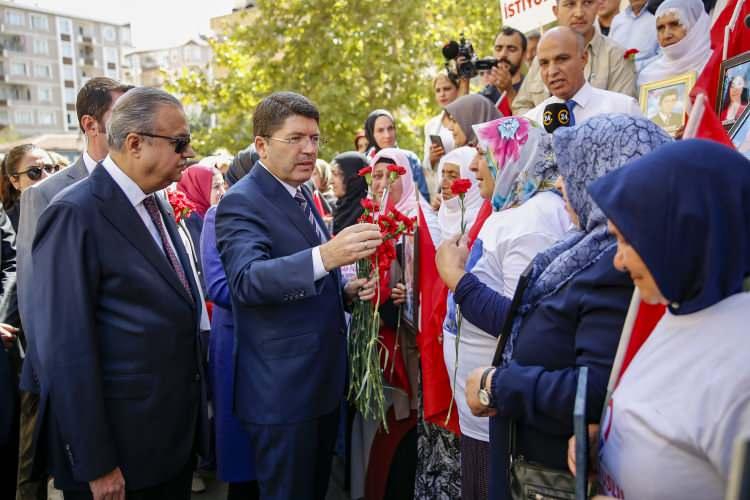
(485, 396)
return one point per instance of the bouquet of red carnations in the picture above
(366, 350)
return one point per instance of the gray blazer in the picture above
(33, 202)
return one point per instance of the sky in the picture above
(153, 23)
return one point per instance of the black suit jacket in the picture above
(120, 370)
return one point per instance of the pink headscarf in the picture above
(196, 183)
(407, 205)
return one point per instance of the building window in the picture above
(43, 71)
(67, 49)
(14, 18)
(125, 35)
(72, 120)
(68, 73)
(41, 46)
(111, 73)
(39, 22)
(46, 117)
(65, 25)
(110, 54)
(44, 94)
(24, 117)
(18, 68)
(109, 34)
(70, 95)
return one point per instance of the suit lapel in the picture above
(174, 235)
(280, 197)
(78, 170)
(117, 209)
(316, 214)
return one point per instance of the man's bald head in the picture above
(562, 58)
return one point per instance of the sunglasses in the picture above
(35, 173)
(180, 143)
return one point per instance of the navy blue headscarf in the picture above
(584, 153)
(686, 210)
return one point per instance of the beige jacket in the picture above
(606, 69)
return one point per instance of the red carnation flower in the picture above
(181, 205)
(630, 54)
(459, 187)
(364, 171)
(369, 205)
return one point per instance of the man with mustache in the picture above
(562, 58)
(506, 77)
(606, 66)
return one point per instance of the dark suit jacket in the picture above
(119, 365)
(290, 363)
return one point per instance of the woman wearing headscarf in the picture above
(466, 111)
(380, 129)
(683, 29)
(446, 91)
(569, 315)
(682, 221)
(235, 464)
(451, 167)
(517, 170)
(349, 187)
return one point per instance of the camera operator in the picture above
(510, 49)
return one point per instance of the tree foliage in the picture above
(349, 57)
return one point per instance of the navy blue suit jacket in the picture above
(116, 336)
(290, 355)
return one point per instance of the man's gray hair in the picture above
(136, 111)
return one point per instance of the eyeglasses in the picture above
(35, 172)
(297, 140)
(180, 143)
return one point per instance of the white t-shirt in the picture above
(591, 101)
(670, 427)
(508, 241)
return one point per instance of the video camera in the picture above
(470, 65)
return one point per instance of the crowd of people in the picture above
(163, 314)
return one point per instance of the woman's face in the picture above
(735, 90)
(362, 144)
(384, 132)
(217, 188)
(337, 181)
(445, 91)
(459, 138)
(450, 173)
(35, 159)
(669, 31)
(627, 260)
(482, 172)
(560, 185)
(380, 181)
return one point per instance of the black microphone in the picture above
(450, 50)
(555, 115)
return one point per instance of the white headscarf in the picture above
(407, 204)
(689, 54)
(449, 215)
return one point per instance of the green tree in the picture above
(349, 57)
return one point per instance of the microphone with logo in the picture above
(555, 115)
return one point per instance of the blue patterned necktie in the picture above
(570, 104)
(302, 202)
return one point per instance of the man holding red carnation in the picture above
(288, 302)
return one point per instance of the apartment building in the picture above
(45, 57)
(151, 68)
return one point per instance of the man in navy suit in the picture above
(116, 327)
(288, 302)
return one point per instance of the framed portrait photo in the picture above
(665, 102)
(740, 134)
(734, 89)
(410, 309)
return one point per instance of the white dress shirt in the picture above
(591, 101)
(632, 31)
(89, 162)
(319, 269)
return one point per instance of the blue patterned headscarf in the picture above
(584, 153)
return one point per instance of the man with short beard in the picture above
(506, 77)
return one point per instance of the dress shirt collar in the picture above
(290, 189)
(88, 161)
(132, 191)
(582, 97)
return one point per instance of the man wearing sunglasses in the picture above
(122, 381)
(94, 107)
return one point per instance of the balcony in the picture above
(88, 61)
